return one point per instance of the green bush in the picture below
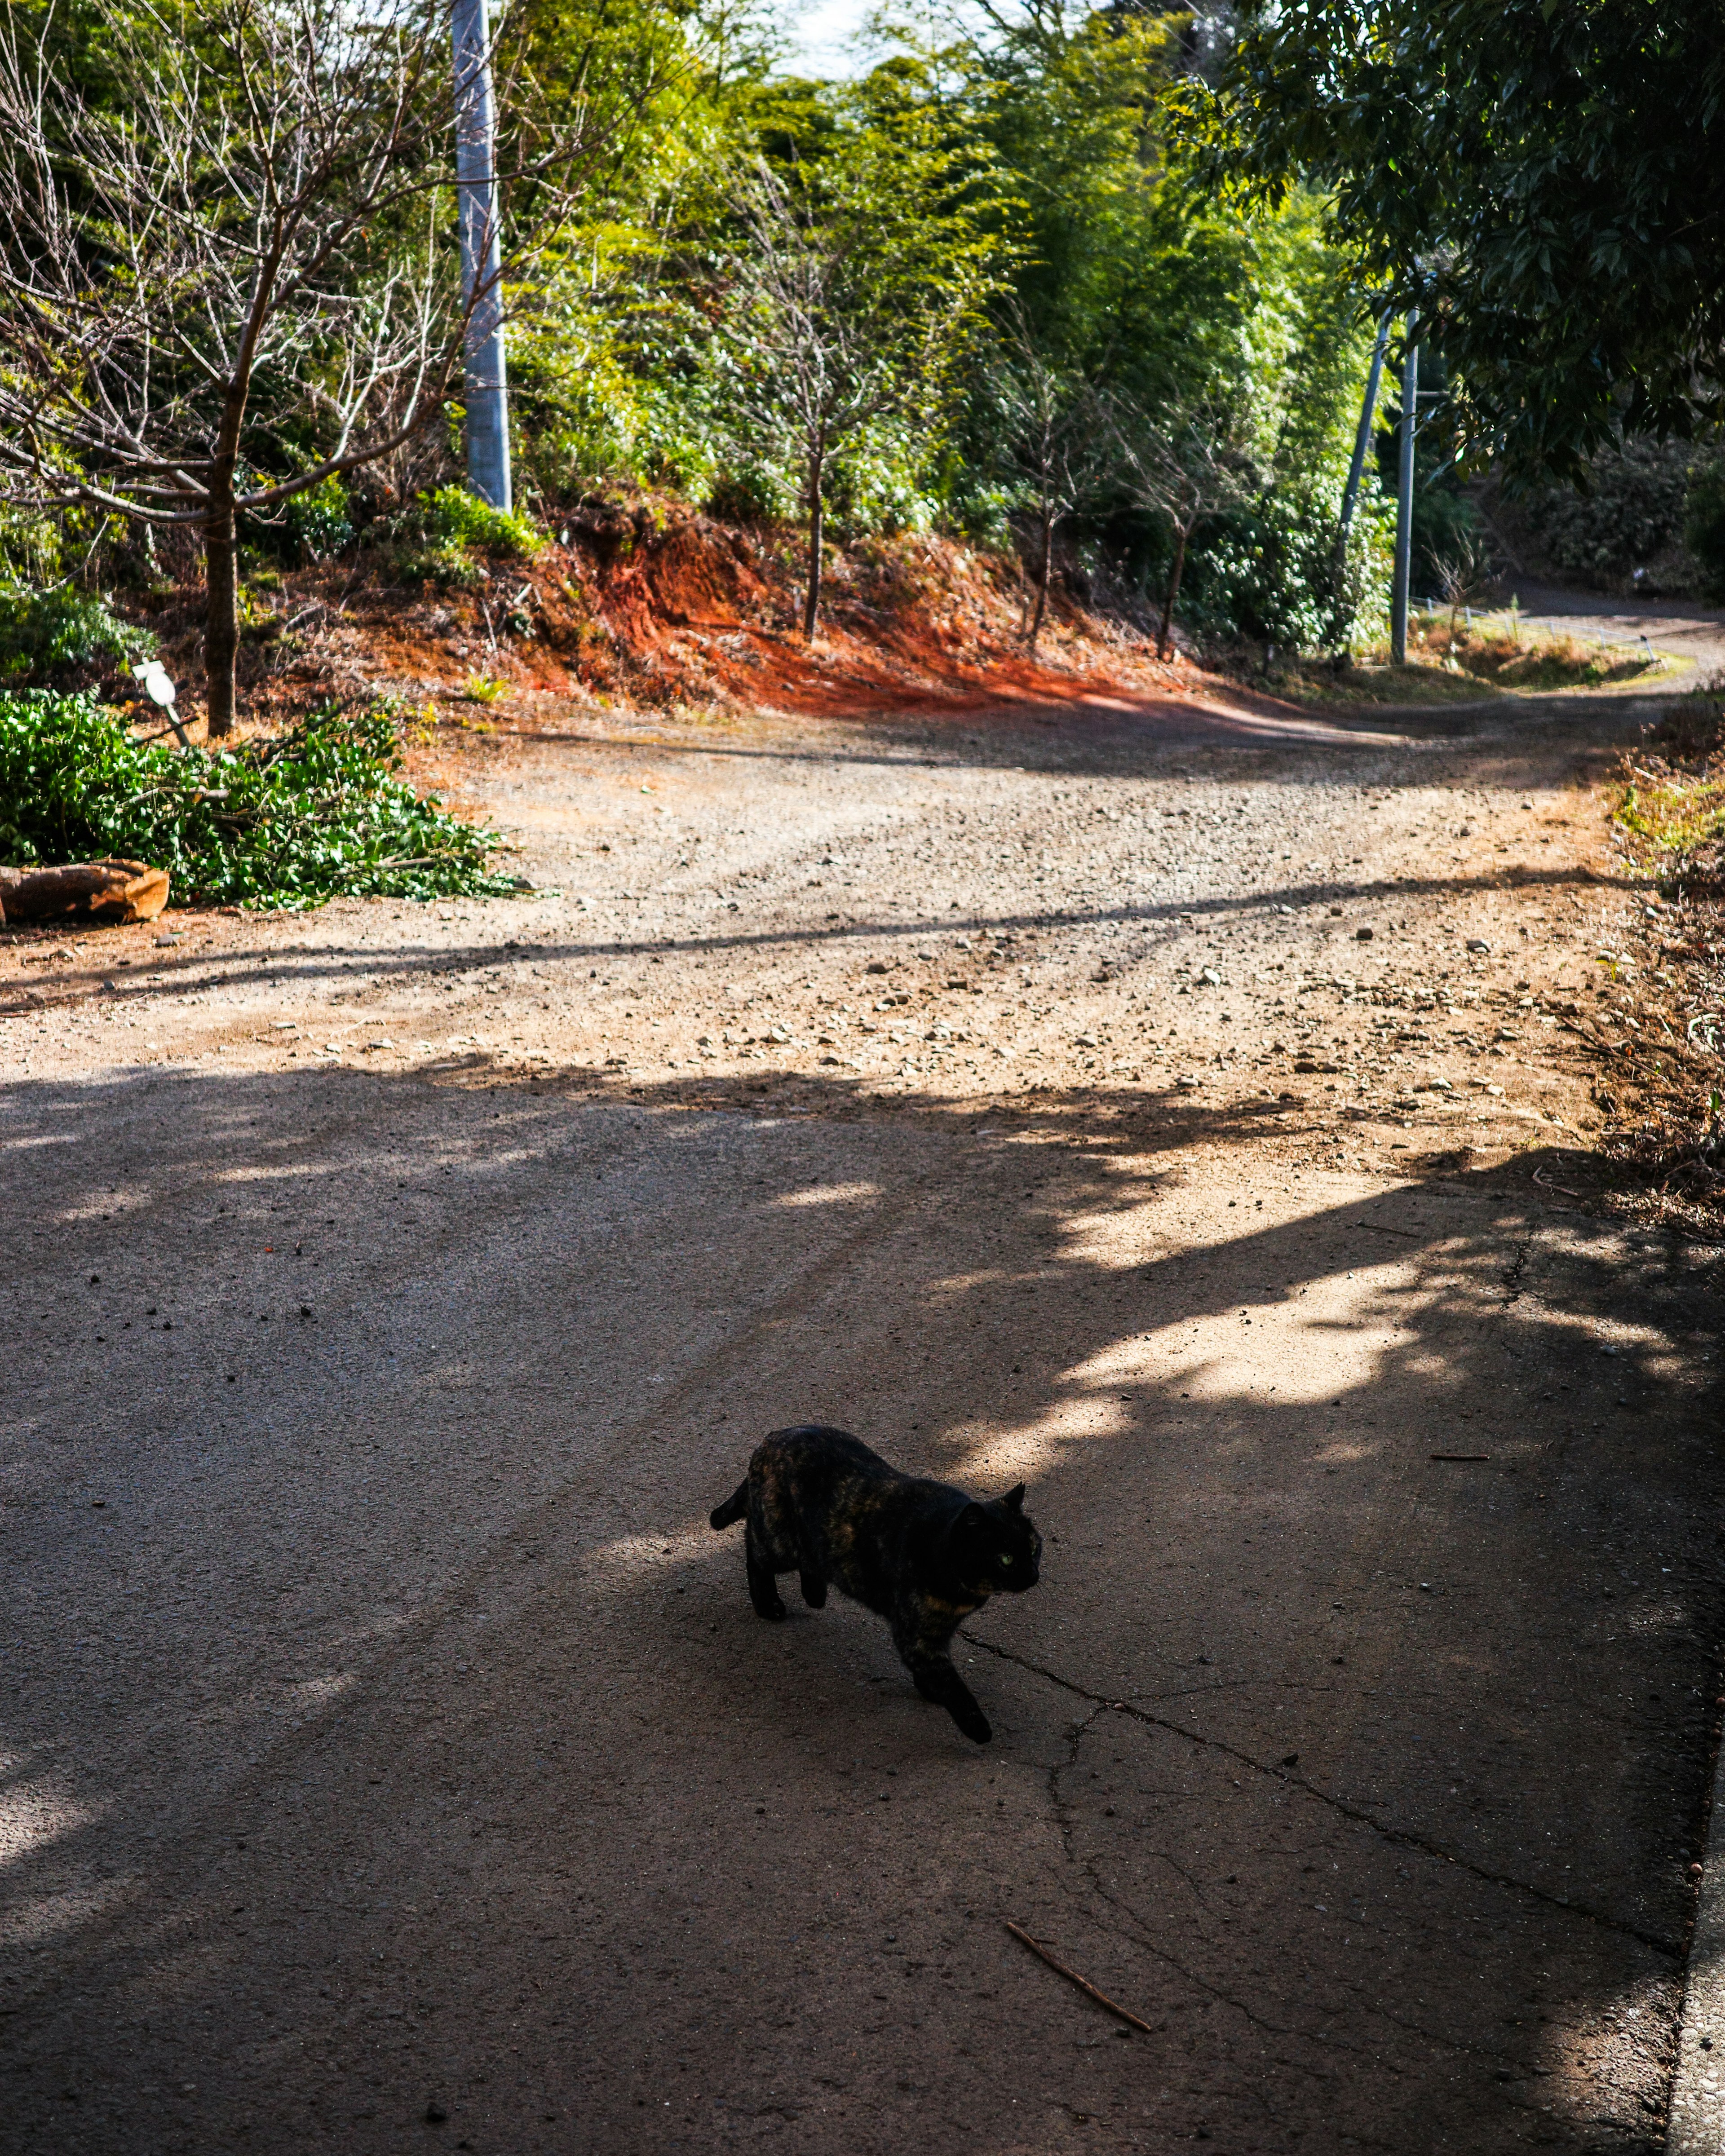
(319, 813)
(450, 568)
(1704, 524)
(1630, 512)
(47, 634)
(460, 519)
(321, 520)
(745, 496)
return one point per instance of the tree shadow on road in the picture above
(1370, 1776)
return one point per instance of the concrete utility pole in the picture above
(1362, 438)
(481, 257)
(1404, 504)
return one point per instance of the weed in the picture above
(450, 567)
(1512, 659)
(1674, 817)
(485, 689)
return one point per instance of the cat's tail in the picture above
(734, 1508)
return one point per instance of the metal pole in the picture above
(1404, 505)
(1363, 440)
(481, 257)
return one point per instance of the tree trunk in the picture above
(1048, 525)
(1165, 639)
(221, 627)
(811, 603)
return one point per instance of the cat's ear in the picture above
(1014, 1500)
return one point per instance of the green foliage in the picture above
(1543, 179)
(458, 518)
(319, 521)
(857, 274)
(966, 215)
(46, 635)
(318, 814)
(438, 538)
(32, 549)
(450, 568)
(1704, 523)
(1629, 510)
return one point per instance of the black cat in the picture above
(920, 1554)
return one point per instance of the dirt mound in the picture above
(637, 605)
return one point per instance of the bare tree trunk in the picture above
(1048, 525)
(811, 603)
(1165, 638)
(221, 627)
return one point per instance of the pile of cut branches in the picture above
(319, 812)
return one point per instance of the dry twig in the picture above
(1072, 1975)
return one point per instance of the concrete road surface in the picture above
(392, 1761)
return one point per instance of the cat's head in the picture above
(995, 1543)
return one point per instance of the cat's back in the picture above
(813, 1459)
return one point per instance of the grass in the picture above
(317, 812)
(1672, 817)
(1501, 652)
(1670, 810)
(1459, 663)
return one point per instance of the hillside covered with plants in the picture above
(979, 293)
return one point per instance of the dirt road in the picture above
(393, 1758)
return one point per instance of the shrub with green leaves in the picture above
(438, 536)
(318, 812)
(1704, 523)
(460, 519)
(1630, 510)
(321, 521)
(47, 634)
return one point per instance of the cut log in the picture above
(112, 892)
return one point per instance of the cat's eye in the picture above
(1006, 1560)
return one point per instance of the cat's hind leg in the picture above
(763, 1586)
(814, 1587)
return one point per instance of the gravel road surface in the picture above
(392, 1759)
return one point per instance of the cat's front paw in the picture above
(973, 1723)
(772, 1611)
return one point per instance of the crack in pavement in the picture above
(1405, 1837)
(1141, 1935)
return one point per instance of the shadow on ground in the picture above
(391, 1753)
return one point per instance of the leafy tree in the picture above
(1048, 412)
(856, 281)
(1189, 460)
(1191, 314)
(1541, 177)
(224, 271)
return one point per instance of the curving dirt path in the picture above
(392, 1758)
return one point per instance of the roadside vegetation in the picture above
(1088, 295)
(977, 293)
(318, 812)
(1662, 1031)
(1451, 660)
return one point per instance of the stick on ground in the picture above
(1072, 1976)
